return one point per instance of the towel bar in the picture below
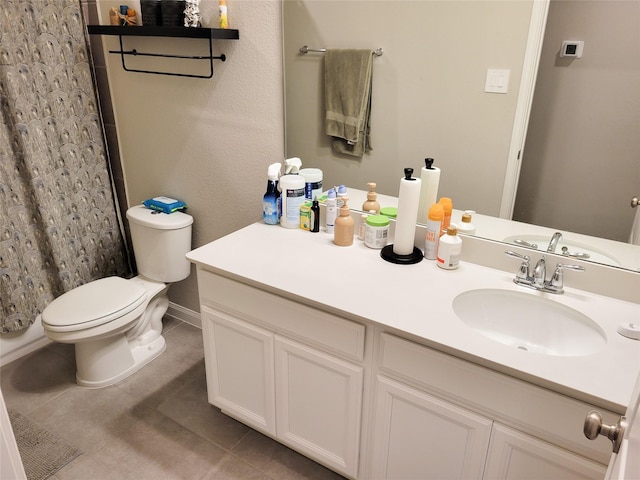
(304, 50)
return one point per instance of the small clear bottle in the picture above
(362, 228)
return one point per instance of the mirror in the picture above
(429, 101)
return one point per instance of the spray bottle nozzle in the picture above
(273, 172)
(428, 163)
(292, 166)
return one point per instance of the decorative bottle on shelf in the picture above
(372, 202)
(224, 19)
(344, 228)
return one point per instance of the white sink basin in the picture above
(528, 322)
(572, 247)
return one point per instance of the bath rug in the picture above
(42, 452)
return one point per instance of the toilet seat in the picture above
(93, 304)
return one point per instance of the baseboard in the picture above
(183, 314)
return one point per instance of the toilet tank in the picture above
(160, 243)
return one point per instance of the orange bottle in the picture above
(434, 230)
(447, 204)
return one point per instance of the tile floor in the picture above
(156, 424)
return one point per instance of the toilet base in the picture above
(102, 363)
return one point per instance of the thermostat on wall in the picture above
(572, 48)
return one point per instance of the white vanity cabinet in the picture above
(514, 455)
(418, 436)
(382, 387)
(440, 417)
(287, 370)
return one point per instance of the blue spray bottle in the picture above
(271, 199)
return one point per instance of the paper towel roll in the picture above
(408, 199)
(430, 177)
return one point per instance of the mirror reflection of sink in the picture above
(529, 322)
(540, 242)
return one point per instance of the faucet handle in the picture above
(556, 282)
(523, 272)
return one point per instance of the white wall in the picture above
(205, 141)
(428, 90)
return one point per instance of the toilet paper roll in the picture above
(408, 198)
(430, 178)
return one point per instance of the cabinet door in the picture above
(417, 436)
(518, 456)
(239, 366)
(319, 405)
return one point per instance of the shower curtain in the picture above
(58, 222)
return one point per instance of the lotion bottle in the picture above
(465, 226)
(372, 202)
(332, 211)
(344, 228)
(450, 249)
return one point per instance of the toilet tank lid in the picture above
(155, 219)
(107, 298)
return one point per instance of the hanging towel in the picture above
(347, 89)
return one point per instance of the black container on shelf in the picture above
(172, 13)
(151, 13)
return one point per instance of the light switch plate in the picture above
(497, 81)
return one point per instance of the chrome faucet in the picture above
(540, 272)
(555, 238)
(538, 280)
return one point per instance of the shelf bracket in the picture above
(123, 53)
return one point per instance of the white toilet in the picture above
(115, 323)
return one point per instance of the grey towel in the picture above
(347, 86)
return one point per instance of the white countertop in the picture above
(417, 299)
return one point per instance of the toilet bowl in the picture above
(116, 323)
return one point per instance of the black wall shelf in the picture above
(176, 32)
